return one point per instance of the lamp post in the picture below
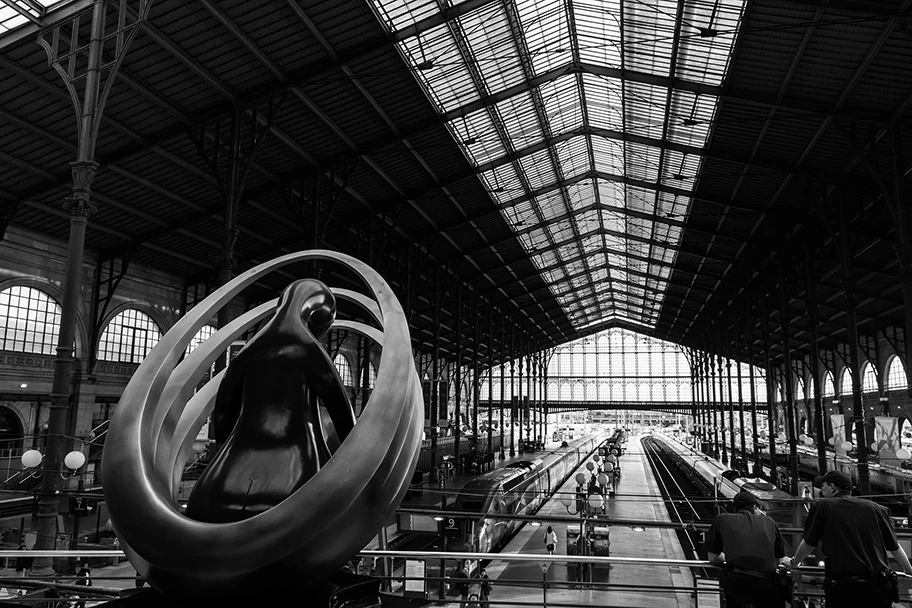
(586, 507)
(33, 459)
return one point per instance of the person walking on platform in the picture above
(855, 535)
(550, 540)
(748, 545)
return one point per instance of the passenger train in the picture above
(884, 479)
(718, 481)
(520, 488)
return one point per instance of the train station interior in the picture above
(653, 233)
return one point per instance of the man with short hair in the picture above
(749, 545)
(855, 534)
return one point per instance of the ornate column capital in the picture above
(79, 203)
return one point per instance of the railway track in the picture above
(677, 491)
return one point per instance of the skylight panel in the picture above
(598, 31)
(503, 183)
(680, 170)
(646, 109)
(522, 217)
(611, 194)
(563, 106)
(569, 252)
(648, 35)
(546, 29)
(573, 156)
(702, 57)
(689, 117)
(520, 121)
(449, 84)
(587, 221)
(581, 194)
(673, 206)
(545, 259)
(561, 231)
(478, 137)
(538, 238)
(592, 243)
(642, 162)
(553, 276)
(551, 205)
(10, 18)
(614, 221)
(488, 34)
(538, 169)
(604, 101)
(398, 14)
(609, 155)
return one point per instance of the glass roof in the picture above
(592, 166)
(14, 13)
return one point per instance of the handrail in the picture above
(537, 558)
(449, 555)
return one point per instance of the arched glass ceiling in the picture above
(586, 120)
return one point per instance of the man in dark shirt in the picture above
(855, 535)
(750, 545)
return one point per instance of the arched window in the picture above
(29, 321)
(566, 392)
(553, 391)
(372, 377)
(617, 391)
(845, 387)
(128, 337)
(345, 370)
(829, 387)
(579, 393)
(591, 391)
(644, 392)
(800, 391)
(896, 375)
(868, 378)
(205, 332)
(658, 392)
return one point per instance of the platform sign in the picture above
(544, 566)
(415, 577)
(450, 528)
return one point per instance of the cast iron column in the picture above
(514, 399)
(737, 344)
(848, 278)
(772, 427)
(789, 405)
(503, 381)
(457, 425)
(810, 291)
(89, 81)
(490, 448)
(749, 335)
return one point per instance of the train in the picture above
(885, 480)
(519, 488)
(722, 483)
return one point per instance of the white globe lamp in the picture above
(31, 458)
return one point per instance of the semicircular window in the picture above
(29, 320)
(128, 337)
(344, 369)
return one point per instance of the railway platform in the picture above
(638, 497)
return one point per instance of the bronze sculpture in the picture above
(319, 486)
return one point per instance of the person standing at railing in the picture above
(748, 545)
(855, 534)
